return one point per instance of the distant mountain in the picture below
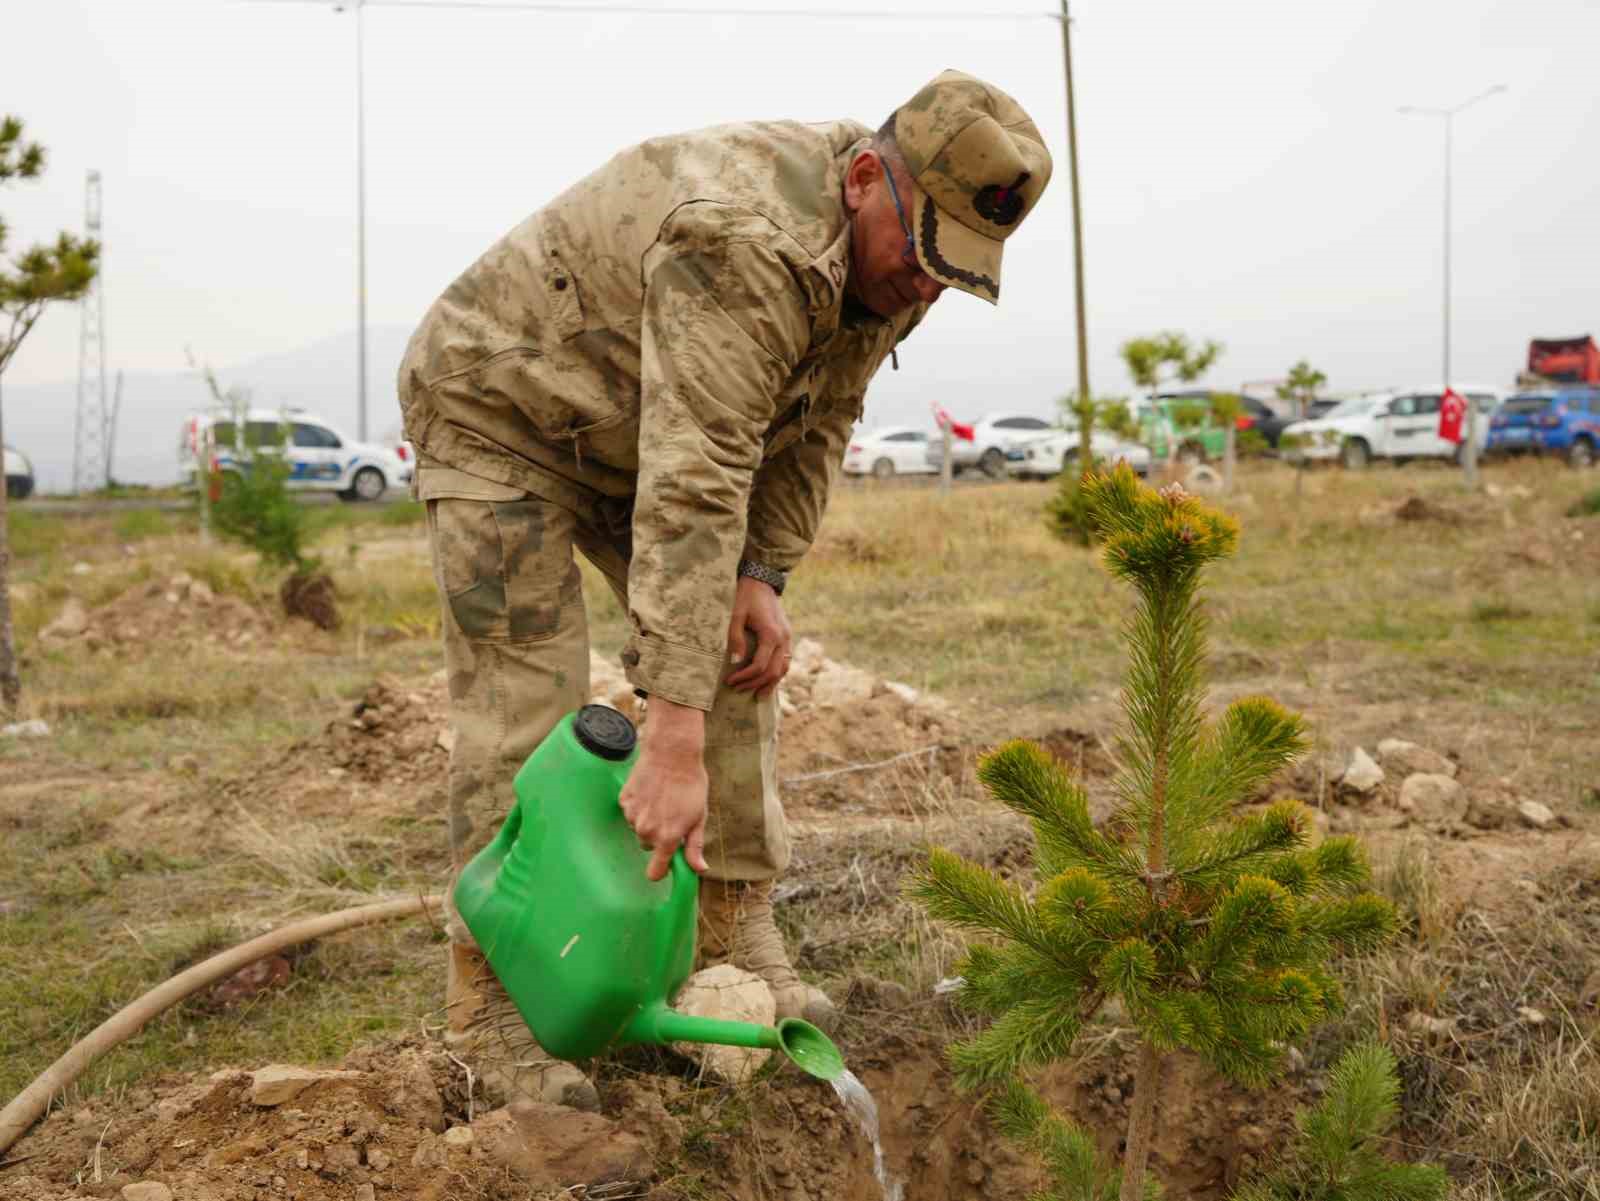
(319, 377)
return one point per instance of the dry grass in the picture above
(1450, 625)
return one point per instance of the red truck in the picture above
(1565, 360)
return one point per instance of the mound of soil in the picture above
(178, 609)
(311, 596)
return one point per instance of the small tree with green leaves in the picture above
(1168, 356)
(1301, 387)
(40, 276)
(1337, 1157)
(1213, 929)
(1064, 511)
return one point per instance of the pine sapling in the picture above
(1337, 1156)
(1213, 929)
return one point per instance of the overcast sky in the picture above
(1246, 176)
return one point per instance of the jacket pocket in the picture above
(562, 296)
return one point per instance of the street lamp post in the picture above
(1469, 457)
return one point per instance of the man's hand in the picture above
(758, 613)
(664, 799)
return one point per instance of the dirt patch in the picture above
(179, 609)
(311, 596)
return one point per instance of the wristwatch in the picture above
(767, 575)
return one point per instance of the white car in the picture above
(888, 452)
(1043, 457)
(320, 458)
(1385, 425)
(18, 473)
(993, 435)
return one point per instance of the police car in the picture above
(320, 457)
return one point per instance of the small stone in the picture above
(446, 740)
(338, 773)
(146, 1190)
(378, 1159)
(1407, 759)
(1487, 813)
(81, 568)
(364, 1192)
(458, 1137)
(552, 1147)
(26, 729)
(1534, 1017)
(302, 1157)
(730, 994)
(1361, 775)
(1112, 1093)
(904, 691)
(280, 1082)
(1294, 1060)
(1536, 815)
(185, 765)
(1430, 1025)
(1432, 799)
(69, 623)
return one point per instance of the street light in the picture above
(1469, 459)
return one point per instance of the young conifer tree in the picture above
(1213, 929)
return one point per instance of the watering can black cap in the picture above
(602, 731)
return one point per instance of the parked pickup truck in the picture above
(1385, 425)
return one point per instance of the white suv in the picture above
(320, 458)
(993, 435)
(18, 473)
(1386, 425)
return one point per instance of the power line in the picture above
(648, 10)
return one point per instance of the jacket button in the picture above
(561, 283)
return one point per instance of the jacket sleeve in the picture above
(791, 489)
(724, 324)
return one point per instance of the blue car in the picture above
(1561, 421)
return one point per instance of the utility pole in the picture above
(1085, 404)
(1469, 453)
(361, 232)
(88, 451)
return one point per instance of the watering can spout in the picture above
(808, 1048)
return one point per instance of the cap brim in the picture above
(953, 254)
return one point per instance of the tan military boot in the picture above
(486, 1031)
(736, 927)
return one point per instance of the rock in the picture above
(459, 1138)
(200, 593)
(839, 684)
(1427, 1024)
(146, 1190)
(1407, 759)
(1530, 1015)
(553, 1147)
(184, 765)
(1361, 774)
(1488, 813)
(378, 1159)
(1432, 799)
(1535, 815)
(26, 729)
(728, 994)
(446, 740)
(417, 1098)
(69, 623)
(81, 568)
(365, 1192)
(904, 691)
(807, 657)
(280, 1082)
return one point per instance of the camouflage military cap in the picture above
(980, 165)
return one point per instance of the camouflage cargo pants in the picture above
(516, 643)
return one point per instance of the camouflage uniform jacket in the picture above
(670, 338)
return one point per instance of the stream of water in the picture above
(858, 1103)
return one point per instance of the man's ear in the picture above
(864, 171)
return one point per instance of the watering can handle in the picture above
(684, 877)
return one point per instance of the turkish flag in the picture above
(943, 419)
(1452, 415)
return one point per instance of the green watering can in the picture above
(590, 950)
